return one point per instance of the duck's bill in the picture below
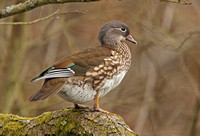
(130, 39)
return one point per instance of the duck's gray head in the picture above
(115, 32)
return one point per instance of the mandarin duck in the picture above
(91, 73)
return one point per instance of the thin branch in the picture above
(193, 129)
(184, 2)
(43, 18)
(31, 4)
(186, 39)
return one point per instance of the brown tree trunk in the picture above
(16, 50)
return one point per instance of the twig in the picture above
(195, 119)
(178, 1)
(42, 19)
(186, 39)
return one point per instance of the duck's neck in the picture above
(123, 49)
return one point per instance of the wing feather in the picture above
(75, 65)
(50, 87)
(55, 73)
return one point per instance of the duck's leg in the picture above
(96, 104)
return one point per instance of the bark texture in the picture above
(65, 122)
(31, 4)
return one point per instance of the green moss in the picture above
(65, 122)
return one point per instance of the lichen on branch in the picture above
(65, 122)
(31, 4)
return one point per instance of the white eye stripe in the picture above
(121, 29)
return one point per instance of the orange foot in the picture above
(96, 108)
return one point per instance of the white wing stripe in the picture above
(56, 73)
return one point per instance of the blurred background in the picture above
(159, 95)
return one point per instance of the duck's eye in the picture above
(123, 29)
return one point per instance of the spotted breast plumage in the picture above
(91, 73)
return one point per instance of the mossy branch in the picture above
(31, 4)
(65, 122)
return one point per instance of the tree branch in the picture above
(184, 2)
(31, 4)
(43, 18)
(65, 122)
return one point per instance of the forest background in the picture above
(159, 95)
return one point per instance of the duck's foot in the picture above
(96, 108)
(76, 106)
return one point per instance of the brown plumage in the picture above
(91, 73)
